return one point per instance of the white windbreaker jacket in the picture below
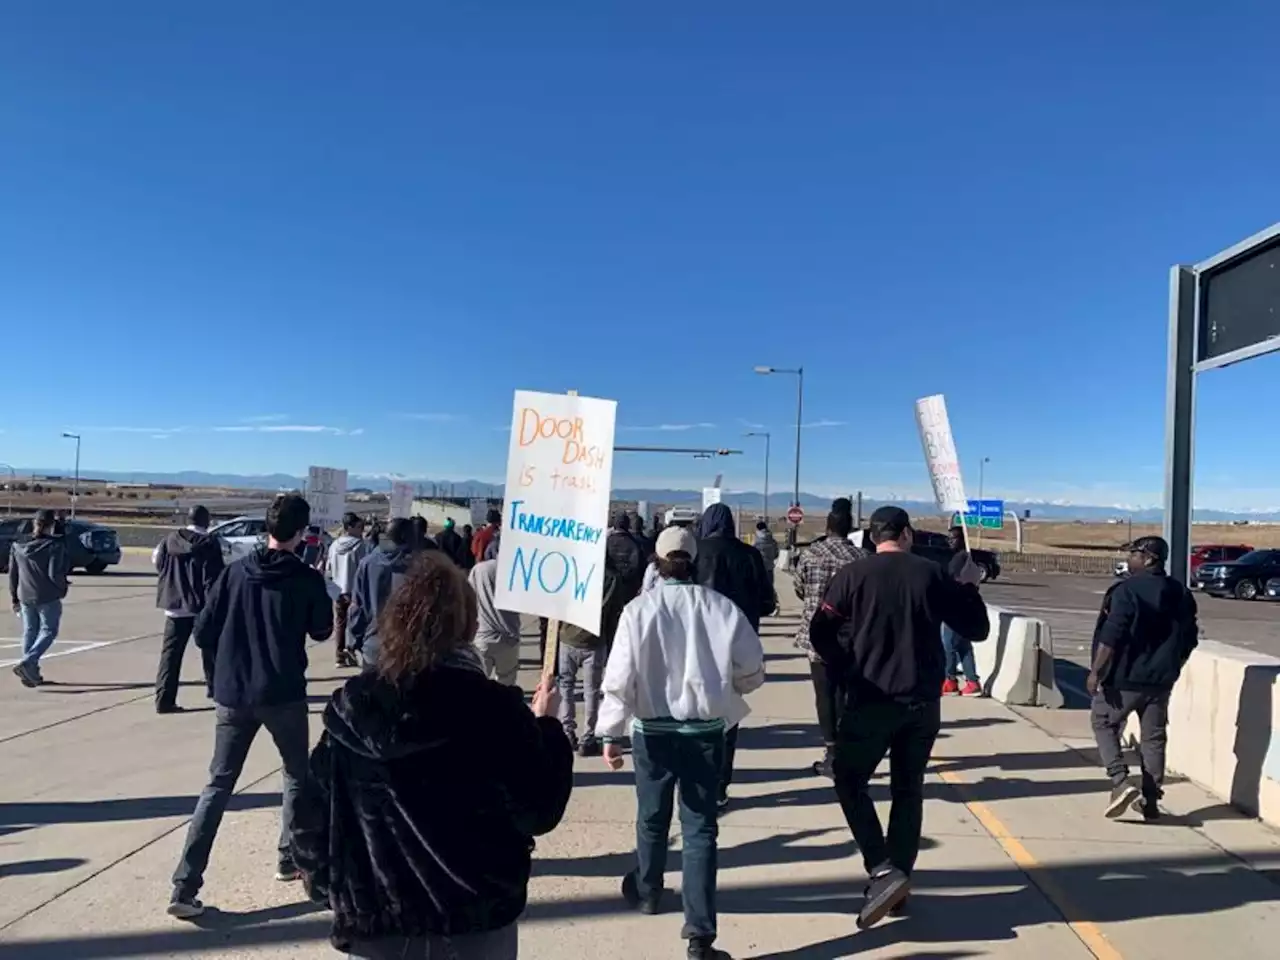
(681, 651)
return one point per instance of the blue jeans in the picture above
(694, 763)
(959, 653)
(40, 623)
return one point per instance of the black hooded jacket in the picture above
(256, 621)
(410, 823)
(729, 566)
(188, 562)
(452, 546)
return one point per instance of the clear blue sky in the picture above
(377, 221)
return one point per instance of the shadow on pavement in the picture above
(1106, 891)
(134, 808)
(27, 868)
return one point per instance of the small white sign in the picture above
(401, 500)
(559, 470)
(710, 495)
(327, 494)
(940, 454)
(479, 512)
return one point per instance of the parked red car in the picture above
(1216, 553)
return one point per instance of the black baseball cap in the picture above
(1154, 547)
(887, 523)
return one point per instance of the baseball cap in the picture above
(1154, 547)
(887, 523)
(676, 540)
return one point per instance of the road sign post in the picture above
(795, 516)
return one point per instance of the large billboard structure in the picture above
(1221, 311)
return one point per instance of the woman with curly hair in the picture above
(428, 785)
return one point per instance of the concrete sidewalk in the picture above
(1018, 860)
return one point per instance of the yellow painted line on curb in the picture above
(1088, 931)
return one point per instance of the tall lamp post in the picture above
(766, 435)
(982, 481)
(75, 488)
(799, 375)
(13, 482)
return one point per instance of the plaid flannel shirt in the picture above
(815, 569)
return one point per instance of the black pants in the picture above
(868, 730)
(177, 633)
(233, 736)
(1110, 710)
(828, 695)
(694, 763)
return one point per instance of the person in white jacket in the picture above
(682, 659)
(343, 562)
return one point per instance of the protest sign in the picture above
(710, 495)
(479, 511)
(401, 500)
(327, 494)
(940, 454)
(559, 469)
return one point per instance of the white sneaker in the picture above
(185, 908)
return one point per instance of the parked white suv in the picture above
(240, 536)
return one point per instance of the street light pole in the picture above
(767, 438)
(799, 373)
(75, 489)
(13, 482)
(982, 480)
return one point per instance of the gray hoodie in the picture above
(344, 559)
(492, 625)
(38, 570)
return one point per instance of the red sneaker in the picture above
(971, 689)
(950, 686)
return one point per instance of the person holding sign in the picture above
(878, 629)
(682, 659)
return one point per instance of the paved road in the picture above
(1017, 862)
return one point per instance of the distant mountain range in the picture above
(749, 501)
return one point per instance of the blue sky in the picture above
(248, 237)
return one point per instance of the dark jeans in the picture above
(233, 736)
(694, 762)
(1110, 710)
(494, 945)
(868, 730)
(341, 607)
(959, 653)
(177, 633)
(828, 695)
(726, 765)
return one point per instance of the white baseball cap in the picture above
(676, 540)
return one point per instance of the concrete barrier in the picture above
(1016, 660)
(1224, 727)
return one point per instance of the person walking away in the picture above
(37, 586)
(683, 658)
(256, 621)
(450, 543)
(728, 566)
(374, 533)
(468, 537)
(422, 539)
(814, 571)
(958, 649)
(345, 557)
(878, 628)
(497, 635)
(767, 546)
(480, 542)
(411, 869)
(188, 562)
(1146, 631)
(376, 578)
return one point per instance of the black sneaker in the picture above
(826, 766)
(704, 948)
(591, 747)
(170, 708)
(649, 906)
(288, 872)
(1148, 807)
(573, 741)
(901, 909)
(1122, 798)
(889, 886)
(184, 907)
(25, 674)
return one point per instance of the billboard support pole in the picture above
(1180, 393)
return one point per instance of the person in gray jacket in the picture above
(37, 585)
(376, 579)
(497, 631)
(767, 546)
(343, 563)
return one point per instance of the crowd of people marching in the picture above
(413, 818)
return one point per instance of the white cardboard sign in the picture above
(327, 494)
(559, 471)
(710, 495)
(401, 499)
(940, 454)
